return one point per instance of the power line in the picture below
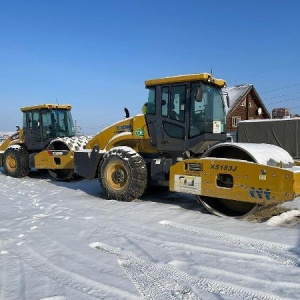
(281, 88)
(293, 107)
(271, 69)
(296, 98)
(281, 96)
(267, 70)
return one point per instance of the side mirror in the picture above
(227, 101)
(227, 98)
(199, 94)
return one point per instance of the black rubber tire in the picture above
(16, 162)
(122, 174)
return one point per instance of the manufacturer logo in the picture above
(123, 128)
(57, 153)
(140, 132)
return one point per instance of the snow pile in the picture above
(284, 219)
(265, 154)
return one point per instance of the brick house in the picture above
(280, 113)
(244, 104)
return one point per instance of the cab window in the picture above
(177, 103)
(173, 102)
(165, 102)
(151, 101)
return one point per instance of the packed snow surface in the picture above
(63, 241)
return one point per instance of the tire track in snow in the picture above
(293, 287)
(165, 247)
(37, 217)
(159, 281)
(69, 278)
(241, 242)
(13, 281)
(135, 238)
(188, 247)
(262, 255)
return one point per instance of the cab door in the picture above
(167, 123)
(34, 131)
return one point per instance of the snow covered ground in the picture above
(62, 241)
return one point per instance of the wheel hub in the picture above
(118, 176)
(11, 162)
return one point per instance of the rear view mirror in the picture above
(199, 94)
(227, 100)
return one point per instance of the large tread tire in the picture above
(16, 162)
(122, 174)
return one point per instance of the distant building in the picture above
(280, 113)
(4, 136)
(244, 104)
(295, 116)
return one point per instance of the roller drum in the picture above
(264, 154)
(75, 143)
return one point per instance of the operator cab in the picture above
(186, 113)
(43, 123)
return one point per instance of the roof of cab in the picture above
(47, 106)
(186, 78)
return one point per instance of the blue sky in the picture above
(96, 54)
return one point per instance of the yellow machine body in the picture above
(18, 137)
(157, 147)
(14, 139)
(249, 182)
(185, 151)
(46, 141)
(54, 159)
(131, 132)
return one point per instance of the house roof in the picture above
(238, 92)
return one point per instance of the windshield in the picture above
(58, 123)
(207, 113)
